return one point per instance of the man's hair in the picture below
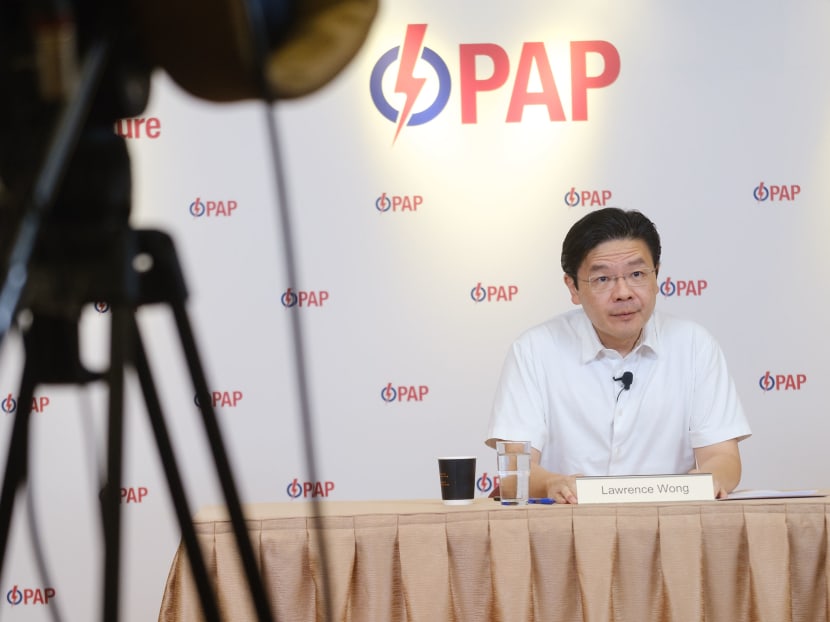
(610, 223)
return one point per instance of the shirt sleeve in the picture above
(519, 411)
(717, 413)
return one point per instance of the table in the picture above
(412, 561)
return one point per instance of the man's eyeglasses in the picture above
(603, 283)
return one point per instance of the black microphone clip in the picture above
(627, 378)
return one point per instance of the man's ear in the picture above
(571, 285)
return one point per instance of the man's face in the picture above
(618, 314)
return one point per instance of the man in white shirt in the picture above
(614, 388)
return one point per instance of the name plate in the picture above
(644, 488)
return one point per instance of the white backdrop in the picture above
(398, 238)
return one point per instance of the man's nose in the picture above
(621, 289)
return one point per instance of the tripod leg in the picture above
(111, 510)
(223, 468)
(171, 469)
(16, 467)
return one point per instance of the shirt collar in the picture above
(592, 347)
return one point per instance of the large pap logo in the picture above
(419, 88)
(407, 84)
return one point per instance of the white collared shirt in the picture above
(557, 390)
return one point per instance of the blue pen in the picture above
(543, 500)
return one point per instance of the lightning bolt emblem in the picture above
(407, 83)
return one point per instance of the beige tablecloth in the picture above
(419, 561)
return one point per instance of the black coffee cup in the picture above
(458, 479)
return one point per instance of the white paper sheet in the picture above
(772, 494)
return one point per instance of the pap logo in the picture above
(403, 393)
(306, 490)
(532, 66)
(772, 193)
(18, 596)
(493, 293)
(588, 198)
(398, 203)
(224, 399)
(302, 298)
(782, 382)
(407, 84)
(133, 494)
(102, 307)
(679, 287)
(9, 404)
(485, 483)
(211, 209)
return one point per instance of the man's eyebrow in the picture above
(633, 263)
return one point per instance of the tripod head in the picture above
(219, 50)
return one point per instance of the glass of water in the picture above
(514, 471)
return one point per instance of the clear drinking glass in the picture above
(514, 471)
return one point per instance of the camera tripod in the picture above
(75, 248)
(160, 281)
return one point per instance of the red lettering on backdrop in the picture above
(532, 52)
(581, 82)
(132, 128)
(549, 95)
(470, 84)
